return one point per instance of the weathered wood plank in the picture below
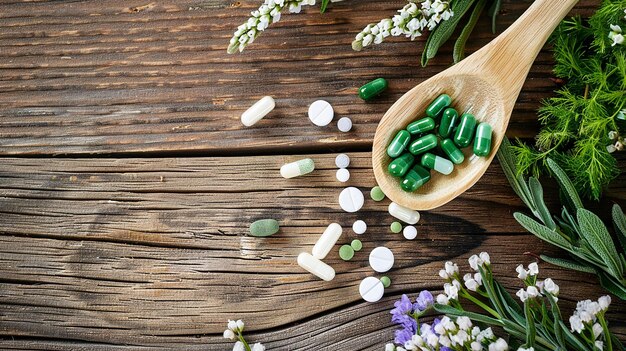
(137, 76)
(126, 254)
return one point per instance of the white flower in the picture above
(476, 346)
(499, 345)
(521, 272)
(522, 294)
(240, 325)
(239, 346)
(390, 347)
(618, 39)
(232, 325)
(615, 28)
(576, 324)
(475, 262)
(443, 274)
(528, 349)
(471, 285)
(451, 268)
(604, 302)
(532, 291)
(597, 330)
(533, 269)
(432, 340)
(442, 299)
(445, 341)
(258, 347)
(485, 258)
(410, 346)
(464, 323)
(451, 290)
(599, 345)
(229, 334)
(550, 286)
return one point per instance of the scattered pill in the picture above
(359, 227)
(438, 105)
(346, 252)
(437, 163)
(423, 144)
(404, 214)
(264, 227)
(465, 132)
(342, 161)
(356, 245)
(321, 113)
(351, 199)
(257, 111)
(454, 154)
(399, 143)
(316, 267)
(371, 289)
(401, 165)
(396, 227)
(326, 242)
(409, 232)
(421, 126)
(343, 175)
(482, 142)
(344, 124)
(377, 194)
(386, 281)
(416, 178)
(381, 259)
(449, 119)
(373, 89)
(297, 168)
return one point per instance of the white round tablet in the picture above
(371, 289)
(321, 113)
(359, 227)
(343, 175)
(342, 161)
(409, 232)
(381, 259)
(344, 124)
(351, 199)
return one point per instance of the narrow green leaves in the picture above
(323, 5)
(459, 45)
(566, 185)
(542, 232)
(568, 264)
(530, 325)
(595, 233)
(619, 222)
(536, 191)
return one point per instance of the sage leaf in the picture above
(536, 190)
(323, 5)
(508, 162)
(619, 222)
(542, 232)
(596, 234)
(571, 196)
(568, 264)
(459, 46)
(493, 12)
(609, 284)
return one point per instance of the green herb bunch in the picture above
(576, 230)
(584, 123)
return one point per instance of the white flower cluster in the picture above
(533, 270)
(471, 281)
(235, 328)
(410, 21)
(482, 260)
(617, 142)
(534, 288)
(260, 19)
(587, 313)
(616, 35)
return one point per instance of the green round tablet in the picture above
(386, 281)
(346, 252)
(377, 193)
(396, 227)
(356, 245)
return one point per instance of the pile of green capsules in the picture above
(435, 143)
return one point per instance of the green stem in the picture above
(480, 304)
(607, 333)
(243, 341)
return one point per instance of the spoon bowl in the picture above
(487, 84)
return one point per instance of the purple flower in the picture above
(443, 348)
(423, 301)
(403, 335)
(400, 314)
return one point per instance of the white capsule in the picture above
(409, 232)
(371, 289)
(343, 175)
(342, 161)
(321, 113)
(359, 227)
(404, 214)
(326, 242)
(297, 168)
(344, 124)
(381, 259)
(351, 199)
(443, 166)
(316, 267)
(257, 111)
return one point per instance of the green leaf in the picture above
(459, 45)
(572, 197)
(510, 304)
(568, 264)
(542, 232)
(323, 5)
(556, 314)
(508, 162)
(572, 339)
(493, 12)
(595, 233)
(619, 222)
(530, 325)
(536, 191)
(452, 311)
(612, 286)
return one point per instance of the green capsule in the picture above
(465, 132)
(454, 154)
(398, 144)
(421, 126)
(401, 165)
(372, 89)
(482, 142)
(438, 105)
(423, 144)
(416, 177)
(437, 163)
(449, 120)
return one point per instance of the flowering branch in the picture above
(235, 331)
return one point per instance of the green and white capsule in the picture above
(449, 119)
(482, 142)
(297, 168)
(423, 144)
(437, 163)
(372, 89)
(421, 126)
(417, 177)
(465, 132)
(401, 165)
(438, 105)
(398, 144)
(454, 154)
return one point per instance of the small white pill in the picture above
(409, 232)
(343, 175)
(351, 199)
(404, 214)
(371, 289)
(344, 124)
(381, 259)
(342, 161)
(297, 168)
(326, 242)
(257, 111)
(359, 227)
(316, 267)
(321, 113)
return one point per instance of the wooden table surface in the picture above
(127, 182)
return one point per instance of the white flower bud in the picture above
(522, 294)
(229, 334)
(604, 302)
(239, 346)
(390, 347)
(533, 269)
(442, 299)
(485, 258)
(240, 325)
(232, 325)
(464, 323)
(258, 347)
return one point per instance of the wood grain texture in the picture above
(81, 77)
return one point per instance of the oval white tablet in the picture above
(404, 214)
(342, 161)
(257, 111)
(316, 267)
(409, 232)
(343, 175)
(326, 242)
(351, 199)
(344, 124)
(381, 259)
(371, 289)
(321, 113)
(359, 227)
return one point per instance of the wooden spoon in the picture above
(487, 82)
